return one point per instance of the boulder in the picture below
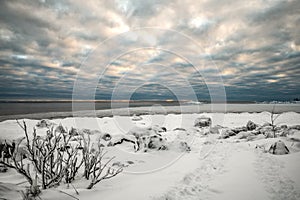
(184, 147)
(158, 129)
(266, 130)
(136, 118)
(244, 135)
(294, 135)
(215, 129)
(226, 133)
(297, 127)
(74, 132)
(279, 148)
(106, 137)
(255, 137)
(284, 126)
(239, 129)
(179, 129)
(156, 142)
(266, 124)
(60, 129)
(203, 122)
(44, 123)
(251, 125)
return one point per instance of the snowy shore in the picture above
(214, 168)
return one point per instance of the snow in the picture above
(213, 169)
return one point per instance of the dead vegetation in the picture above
(57, 158)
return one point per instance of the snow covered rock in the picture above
(294, 135)
(203, 122)
(136, 118)
(226, 133)
(255, 137)
(157, 142)
(251, 125)
(60, 129)
(74, 132)
(297, 127)
(44, 123)
(138, 131)
(179, 129)
(106, 137)
(179, 146)
(158, 129)
(239, 129)
(266, 130)
(142, 138)
(279, 148)
(119, 139)
(244, 135)
(215, 129)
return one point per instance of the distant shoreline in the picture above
(185, 109)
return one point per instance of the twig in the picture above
(69, 194)
(75, 189)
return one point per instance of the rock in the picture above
(130, 162)
(283, 133)
(44, 123)
(226, 133)
(74, 132)
(119, 164)
(3, 169)
(216, 129)
(251, 125)
(266, 124)
(297, 127)
(261, 147)
(136, 118)
(156, 142)
(179, 129)
(106, 137)
(270, 134)
(244, 135)
(60, 129)
(158, 129)
(203, 122)
(239, 129)
(184, 147)
(294, 135)
(266, 130)
(284, 126)
(89, 132)
(255, 137)
(279, 148)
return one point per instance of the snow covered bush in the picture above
(56, 157)
(95, 168)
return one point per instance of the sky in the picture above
(159, 49)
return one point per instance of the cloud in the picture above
(253, 46)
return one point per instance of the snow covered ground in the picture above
(214, 168)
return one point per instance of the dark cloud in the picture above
(253, 46)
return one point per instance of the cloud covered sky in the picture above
(188, 48)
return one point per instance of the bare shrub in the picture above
(273, 118)
(57, 156)
(19, 165)
(96, 169)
